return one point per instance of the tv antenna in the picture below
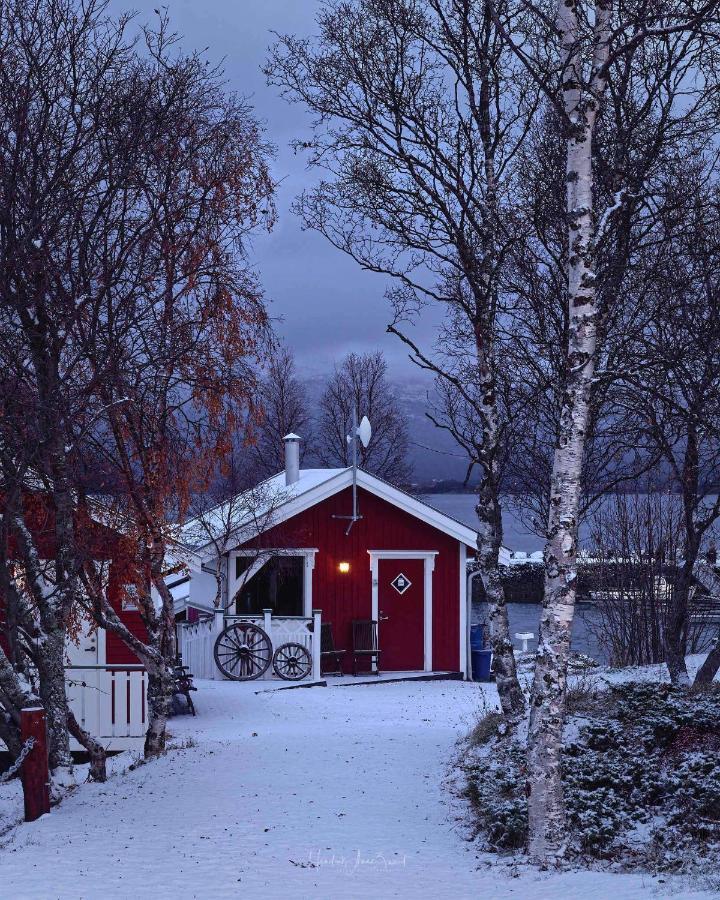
(362, 433)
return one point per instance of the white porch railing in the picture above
(109, 701)
(198, 640)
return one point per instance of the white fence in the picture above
(196, 647)
(110, 702)
(198, 640)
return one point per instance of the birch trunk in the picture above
(490, 534)
(50, 661)
(160, 677)
(13, 697)
(96, 751)
(159, 698)
(53, 597)
(709, 669)
(510, 693)
(676, 627)
(546, 809)
(488, 509)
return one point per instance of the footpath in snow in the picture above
(319, 793)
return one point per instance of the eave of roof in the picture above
(316, 485)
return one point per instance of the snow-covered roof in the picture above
(272, 502)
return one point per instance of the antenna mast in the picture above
(363, 433)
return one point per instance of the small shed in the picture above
(351, 545)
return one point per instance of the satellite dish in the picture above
(364, 431)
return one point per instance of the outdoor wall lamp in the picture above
(344, 567)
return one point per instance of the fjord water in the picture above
(524, 617)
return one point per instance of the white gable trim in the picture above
(333, 485)
(417, 508)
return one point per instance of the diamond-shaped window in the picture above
(401, 583)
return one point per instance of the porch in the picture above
(198, 640)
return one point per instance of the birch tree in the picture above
(536, 284)
(185, 346)
(420, 108)
(594, 42)
(60, 65)
(674, 395)
(285, 409)
(132, 321)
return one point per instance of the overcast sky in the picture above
(326, 304)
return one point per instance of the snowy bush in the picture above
(496, 791)
(641, 775)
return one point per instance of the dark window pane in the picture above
(242, 563)
(277, 586)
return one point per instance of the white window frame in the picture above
(267, 552)
(429, 559)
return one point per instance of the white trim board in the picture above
(429, 567)
(263, 556)
(464, 614)
(336, 481)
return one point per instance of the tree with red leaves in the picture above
(188, 345)
(131, 320)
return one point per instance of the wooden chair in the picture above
(183, 679)
(328, 650)
(365, 643)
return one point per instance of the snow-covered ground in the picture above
(319, 793)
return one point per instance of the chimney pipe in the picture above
(292, 458)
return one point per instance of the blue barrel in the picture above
(481, 660)
(477, 637)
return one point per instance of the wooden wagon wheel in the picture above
(292, 662)
(243, 651)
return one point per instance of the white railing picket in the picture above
(198, 640)
(109, 701)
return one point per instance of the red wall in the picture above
(99, 542)
(343, 598)
(116, 650)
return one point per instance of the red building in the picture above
(301, 542)
(106, 684)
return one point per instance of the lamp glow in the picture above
(344, 567)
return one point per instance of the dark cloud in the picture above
(326, 304)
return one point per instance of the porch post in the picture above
(218, 624)
(35, 775)
(464, 619)
(308, 566)
(267, 625)
(316, 644)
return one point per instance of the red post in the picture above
(35, 773)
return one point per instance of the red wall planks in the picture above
(344, 597)
(99, 542)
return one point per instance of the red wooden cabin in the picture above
(402, 563)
